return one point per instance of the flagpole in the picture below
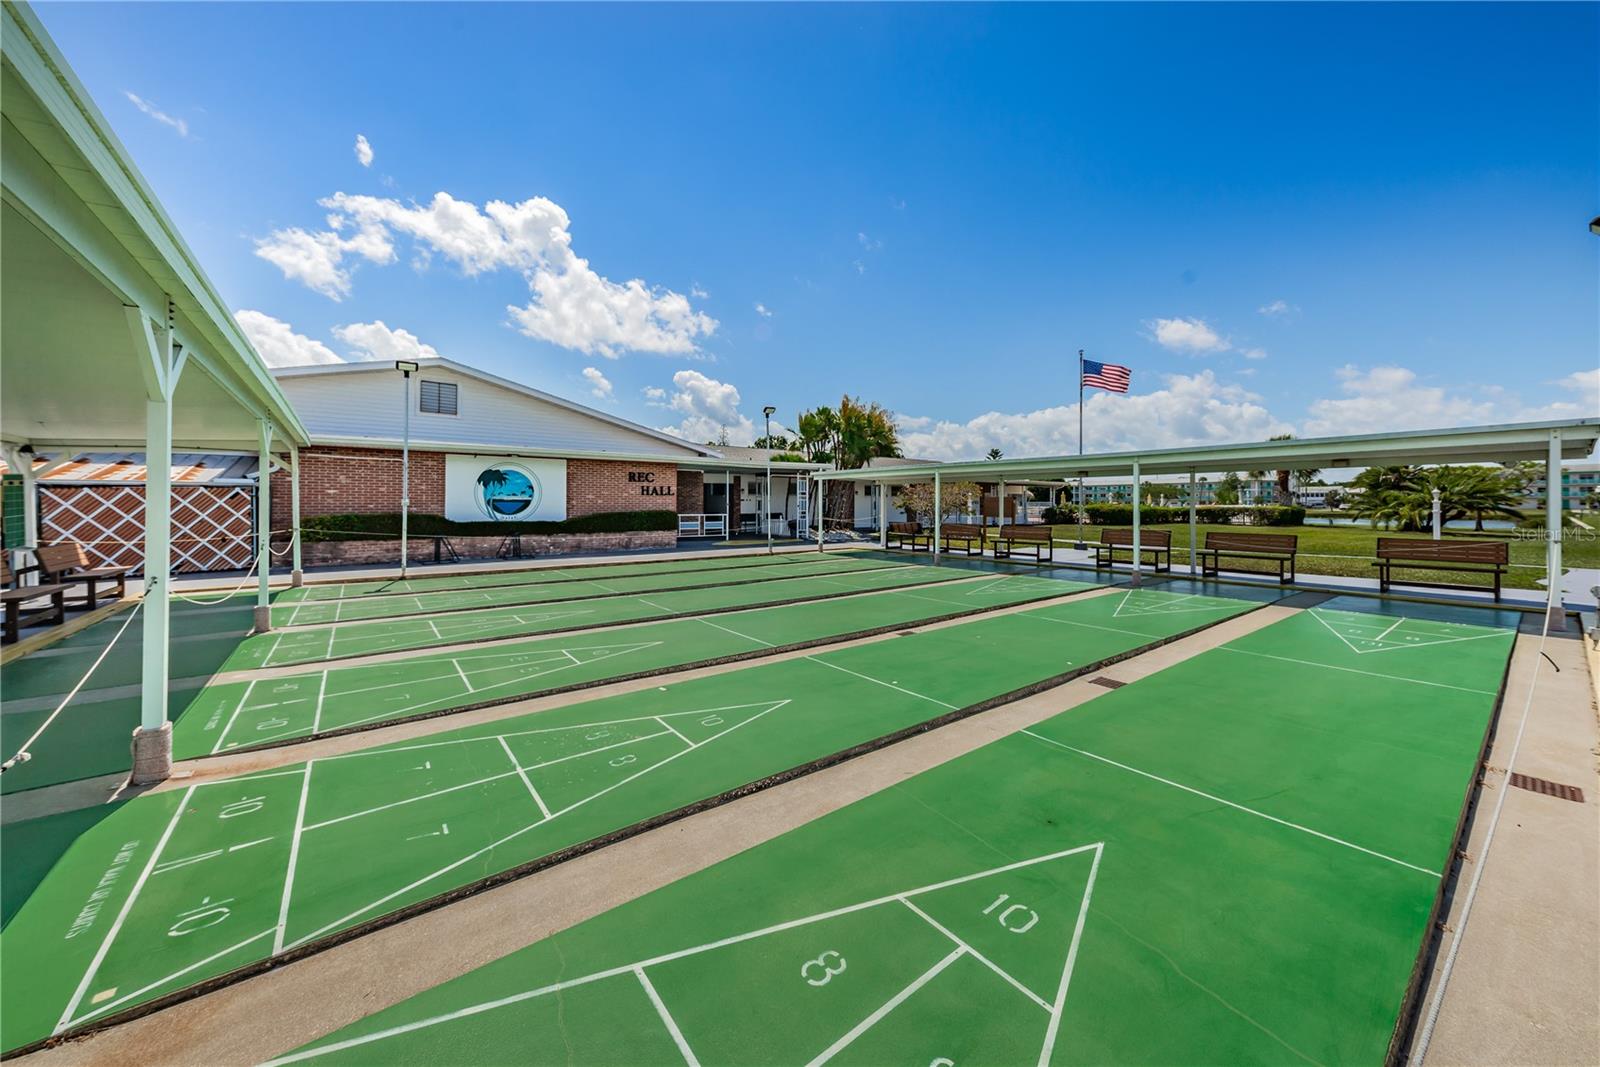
(1079, 500)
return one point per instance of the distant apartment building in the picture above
(1252, 491)
(1579, 484)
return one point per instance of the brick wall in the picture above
(597, 485)
(342, 481)
(336, 553)
(691, 492)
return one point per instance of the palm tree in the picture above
(994, 453)
(1301, 476)
(849, 438)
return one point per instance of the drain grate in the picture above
(1109, 683)
(1547, 787)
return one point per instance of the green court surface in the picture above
(309, 613)
(229, 716)
(185, 884)
(315, 643)
(535, 575)
(1233, 860)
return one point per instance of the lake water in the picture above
(1458, 524)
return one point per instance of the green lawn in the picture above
(1349, 550)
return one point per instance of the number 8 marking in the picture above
(817, 972)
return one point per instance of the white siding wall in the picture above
(369, 405)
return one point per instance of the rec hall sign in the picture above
(648, 486)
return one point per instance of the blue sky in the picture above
(1323, 219)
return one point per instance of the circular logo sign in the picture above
(508, 491)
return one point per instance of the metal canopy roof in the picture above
(84, 239)
(1469, 444)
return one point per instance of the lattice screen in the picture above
(211, 524)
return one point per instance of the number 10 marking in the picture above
(1021, 926)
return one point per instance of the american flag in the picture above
(1110, 376)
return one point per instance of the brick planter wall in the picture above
(387, 550)
(691, 492)
(597, 485)
(343, 481)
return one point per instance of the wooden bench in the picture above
(1009, 540)
(909, 535)
(68, 564)
(965, 534)
(1271, 548)
(16, 598)
(1488, 558)
(1114, 539)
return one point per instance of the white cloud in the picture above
(363, 150)
(156, 113)
(1187, 335)
(1190, 409)
(600, 386)
(698, 292)
(572, 305)
(1586, 383)
(278, 344)
(869, 243)
(709, 408)
(654, 396)
(1391, 398)
(762, 310)
(374, 340)
(1253, 353)
(1277, 309)
(861, 268)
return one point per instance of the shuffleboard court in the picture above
(230, 716)
(309, 613)
(184, 885)
(534, 575)
(315, 643)
(1205, 866)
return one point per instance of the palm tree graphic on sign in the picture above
(506, 492)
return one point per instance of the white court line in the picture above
(736, 633)
(122, 914)
(159, 982)
(1390, 630)
(658, 607)
(669, 726)
(878, 681)
(980, 957)
(1437, 640)
(243, 698)
(294, 857)
(1086, 625)
(890, 1005)
(322, 692)
(667, 1019)
(537, 799)
(491, 846)
(1231, 804)
(1054, 1029)
(1355, 670)
(463, 674)
(598, 976)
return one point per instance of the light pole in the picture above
(767, 412)
(405, 367)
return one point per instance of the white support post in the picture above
(1000, 506)
(295, 578)
(883, 515)
(938, 513)
(1556, 617)
(727, 505)
(1137, 556)
(821, 496)
(1193, 526)
(152, 741)
(263, 612)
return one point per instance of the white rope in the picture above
(249, 576)
(1553, 602)
(23, 755)
(286, 548)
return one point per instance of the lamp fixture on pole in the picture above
(767, 506)
(406, 368)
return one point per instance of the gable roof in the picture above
(368, 366)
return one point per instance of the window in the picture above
(438, 398)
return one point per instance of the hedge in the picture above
(387, 524)
(1155, 514)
